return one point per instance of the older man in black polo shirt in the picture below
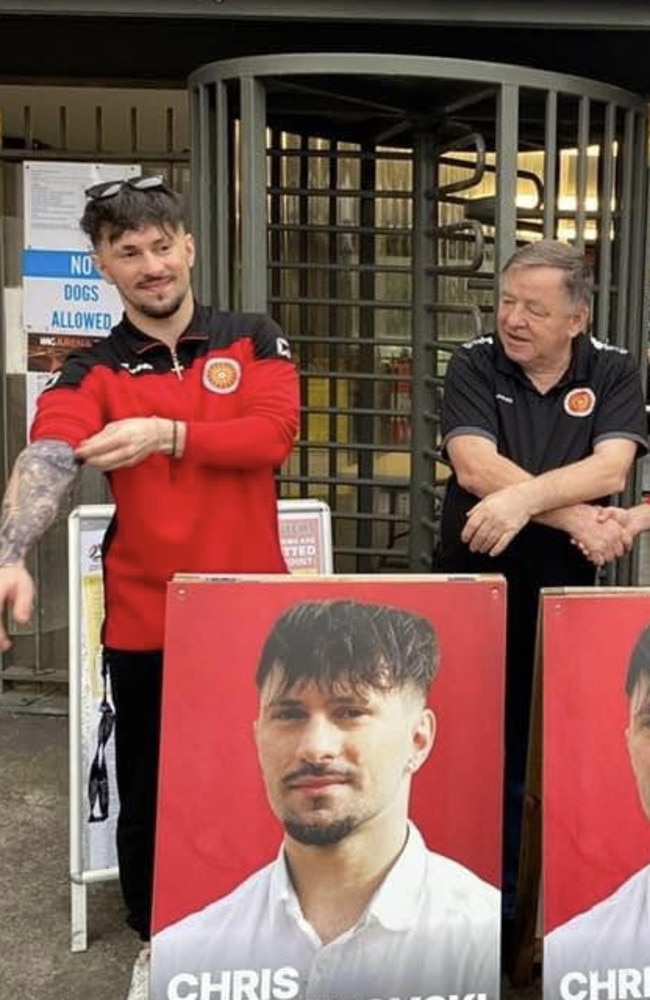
(539, 423)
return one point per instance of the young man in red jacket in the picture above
(188, 411)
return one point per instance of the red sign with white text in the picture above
(596, 761)
(425, 767)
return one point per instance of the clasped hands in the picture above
(601, 534)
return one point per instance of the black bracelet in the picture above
(174, 438)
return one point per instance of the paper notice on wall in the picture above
(63, 291)
(66, 302)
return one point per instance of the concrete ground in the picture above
(35, 958)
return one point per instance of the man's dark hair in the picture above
(348, 642)
(639, 662)
(130, 209)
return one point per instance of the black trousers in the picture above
(136, 685)
(539, 557)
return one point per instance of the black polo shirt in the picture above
(486, 394)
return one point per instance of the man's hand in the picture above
(633, 519)
(601, 539)
(495, 520)
(619, 514)
(17, 589)
(124, 443)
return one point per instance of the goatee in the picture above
(317, 835)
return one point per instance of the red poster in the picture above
(596, 794)
(330, 801)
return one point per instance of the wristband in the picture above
(174, 438)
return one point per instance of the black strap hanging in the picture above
(98, 790)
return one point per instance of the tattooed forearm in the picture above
(38, 482)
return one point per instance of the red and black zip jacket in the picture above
(232, 381)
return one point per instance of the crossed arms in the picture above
(510, 497)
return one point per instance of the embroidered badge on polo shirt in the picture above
(221, 374)
(580, 402)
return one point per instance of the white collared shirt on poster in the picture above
(432, 928)
(610, 940)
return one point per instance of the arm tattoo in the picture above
(42, 474)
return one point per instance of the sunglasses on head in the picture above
(144, 182)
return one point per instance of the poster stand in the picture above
(306, 538)
(219, 869)
(596, 785)
(86, 527)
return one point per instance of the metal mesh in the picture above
(372, 203)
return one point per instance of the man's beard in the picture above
(320, 835)
(163, 311)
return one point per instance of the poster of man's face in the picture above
(596, 792)
(330, 793)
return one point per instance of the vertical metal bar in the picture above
(27, 127)
(581, 172)
(626, 161)
(174, 175)
(253, 195)
(63, 127)
(550, 166)
(220, 203)
(303, 310)
(507, 141)
(78, 894)
(420, 540)
(635, 340)
(275, 210)
(333, 310)
(99, 129)
(232, 265)
(200, 172)
(170, 129)
(133, 129)
(604, 237)
(367, 291)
